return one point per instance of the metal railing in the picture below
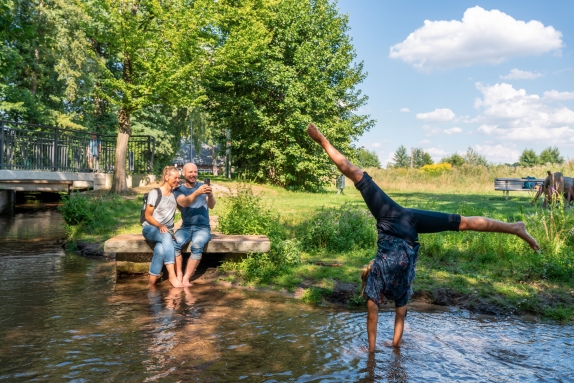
(40, 147)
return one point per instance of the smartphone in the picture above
(207, 181)
(172, 235)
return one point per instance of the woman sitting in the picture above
(158, 226)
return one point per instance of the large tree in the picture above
(142, 54)
(551, 155)
(528, 158)
(421, 158)
(367, 158)
(401, 159)
(303, 72)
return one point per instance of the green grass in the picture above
(493, 272)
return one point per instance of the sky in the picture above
(497, 76)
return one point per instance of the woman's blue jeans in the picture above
(163, 252)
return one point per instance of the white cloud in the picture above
(454, 130)
(376, 144)
(517, 74)
(430, 131)
(498, 153)
(482, 36)
(439, 115)
(404, 110)
(554, 95)
(436, 153)
(424, 142)
(513, 114)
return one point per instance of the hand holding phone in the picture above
(207, 181)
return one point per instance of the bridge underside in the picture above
(26, 180)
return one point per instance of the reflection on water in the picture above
(64, 318)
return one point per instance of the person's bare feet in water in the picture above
(522, 233)
(315, 134)
(175, 282)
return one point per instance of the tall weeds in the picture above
(464, 178)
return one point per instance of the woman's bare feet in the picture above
(522, 233)
(186, 283)
(315, 134)
(175, 282)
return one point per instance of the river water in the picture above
(64, 318)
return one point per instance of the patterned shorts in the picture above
(393, 271)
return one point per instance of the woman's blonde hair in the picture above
(167, 171)
(364, 276)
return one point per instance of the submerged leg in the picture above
(343, 164)
(494, 226)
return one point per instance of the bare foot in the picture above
(389, 343)
(314, 133)
(186, 283)
(522, 233)
(175, 282)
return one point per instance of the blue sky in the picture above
(497, 76)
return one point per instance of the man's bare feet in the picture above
(522, 233)
(315, 134)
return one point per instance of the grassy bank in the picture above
(321, 242)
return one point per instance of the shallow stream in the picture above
(64, 318)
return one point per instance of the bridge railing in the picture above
(40, 147)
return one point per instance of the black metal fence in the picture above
(40, 147)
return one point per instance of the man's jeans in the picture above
(198, 235)
(163, 252)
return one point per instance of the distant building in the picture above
(204, 160)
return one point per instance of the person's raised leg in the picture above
(343, 164)
(494, 226)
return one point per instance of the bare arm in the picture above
(400, 313)
(152, 221)
(372, 320)
(184, 201)
(210, 201)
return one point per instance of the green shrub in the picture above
(245, 214)
(76, 209)
(340, 229)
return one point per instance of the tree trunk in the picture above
(119, 182)
(213, 160)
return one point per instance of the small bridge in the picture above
(47, 158)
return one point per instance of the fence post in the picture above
(131, 162)
(152, 152)
(55, 151)
(1, 144)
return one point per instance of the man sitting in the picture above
(193, 200)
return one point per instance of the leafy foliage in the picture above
(401, 159)
(551, 155)
(341, 229)
(455, 160)
(528, 158)
(421, 158)
(472, 158)
(367, 159)
(301, 70)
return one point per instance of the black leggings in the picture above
(395, 220)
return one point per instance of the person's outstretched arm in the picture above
(372, 320)
(400, 314)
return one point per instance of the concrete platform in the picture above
(220, 243)
(134, 253)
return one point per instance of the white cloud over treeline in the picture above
(480, 37)
(513, 114)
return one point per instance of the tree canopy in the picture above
(262, 69)
(367, 158)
